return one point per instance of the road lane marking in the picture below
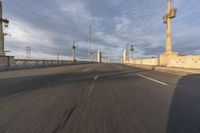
(153, 80)
(86, 69)
(120, 67)
(96, 77)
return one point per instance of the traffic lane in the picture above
(121, 104)
(149, 100)
(169, 78)
(27, 80)
(41, 110)
(32, 81)
(46, 71)
(24, 112)
(184, 106)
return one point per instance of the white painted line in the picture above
(153, 80)
(120, 67)
(96, 77)
(86, 69)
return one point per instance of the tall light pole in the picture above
(5, 22)
(131, 53)
(90, 45)
(167, 19)
(58, 55)
(74, 52)
(28, 53)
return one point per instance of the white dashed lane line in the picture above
(96, 77)
(154, 80)
(85, 70)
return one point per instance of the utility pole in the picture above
(5, 22)
(90, 45)
(74, 52)
(167, 19)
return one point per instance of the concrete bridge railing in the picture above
(9, 61)
(22, 62)
(170, 61)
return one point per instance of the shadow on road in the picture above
(10, 86)
(184, 116)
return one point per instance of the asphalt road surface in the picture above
(98, 98)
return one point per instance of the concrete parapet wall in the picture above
(150, 61)
(6, 61)
(3, 61)
(171, 60)
(185, 62)
(9, 61)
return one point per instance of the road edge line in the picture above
(153, 79)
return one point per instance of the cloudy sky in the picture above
(50, 27)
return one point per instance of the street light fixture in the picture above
(5, 22)
(6, 34)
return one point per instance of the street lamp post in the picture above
(131, 53)
(58, 59)
(74, 52)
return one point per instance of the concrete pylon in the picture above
(169, 48)
(4, 22)
(99, 56)
(169, 53)
(171, 13)
(109, 61)
(125, 56)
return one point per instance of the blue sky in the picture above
(50, 27)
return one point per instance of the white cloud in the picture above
(26, 34)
